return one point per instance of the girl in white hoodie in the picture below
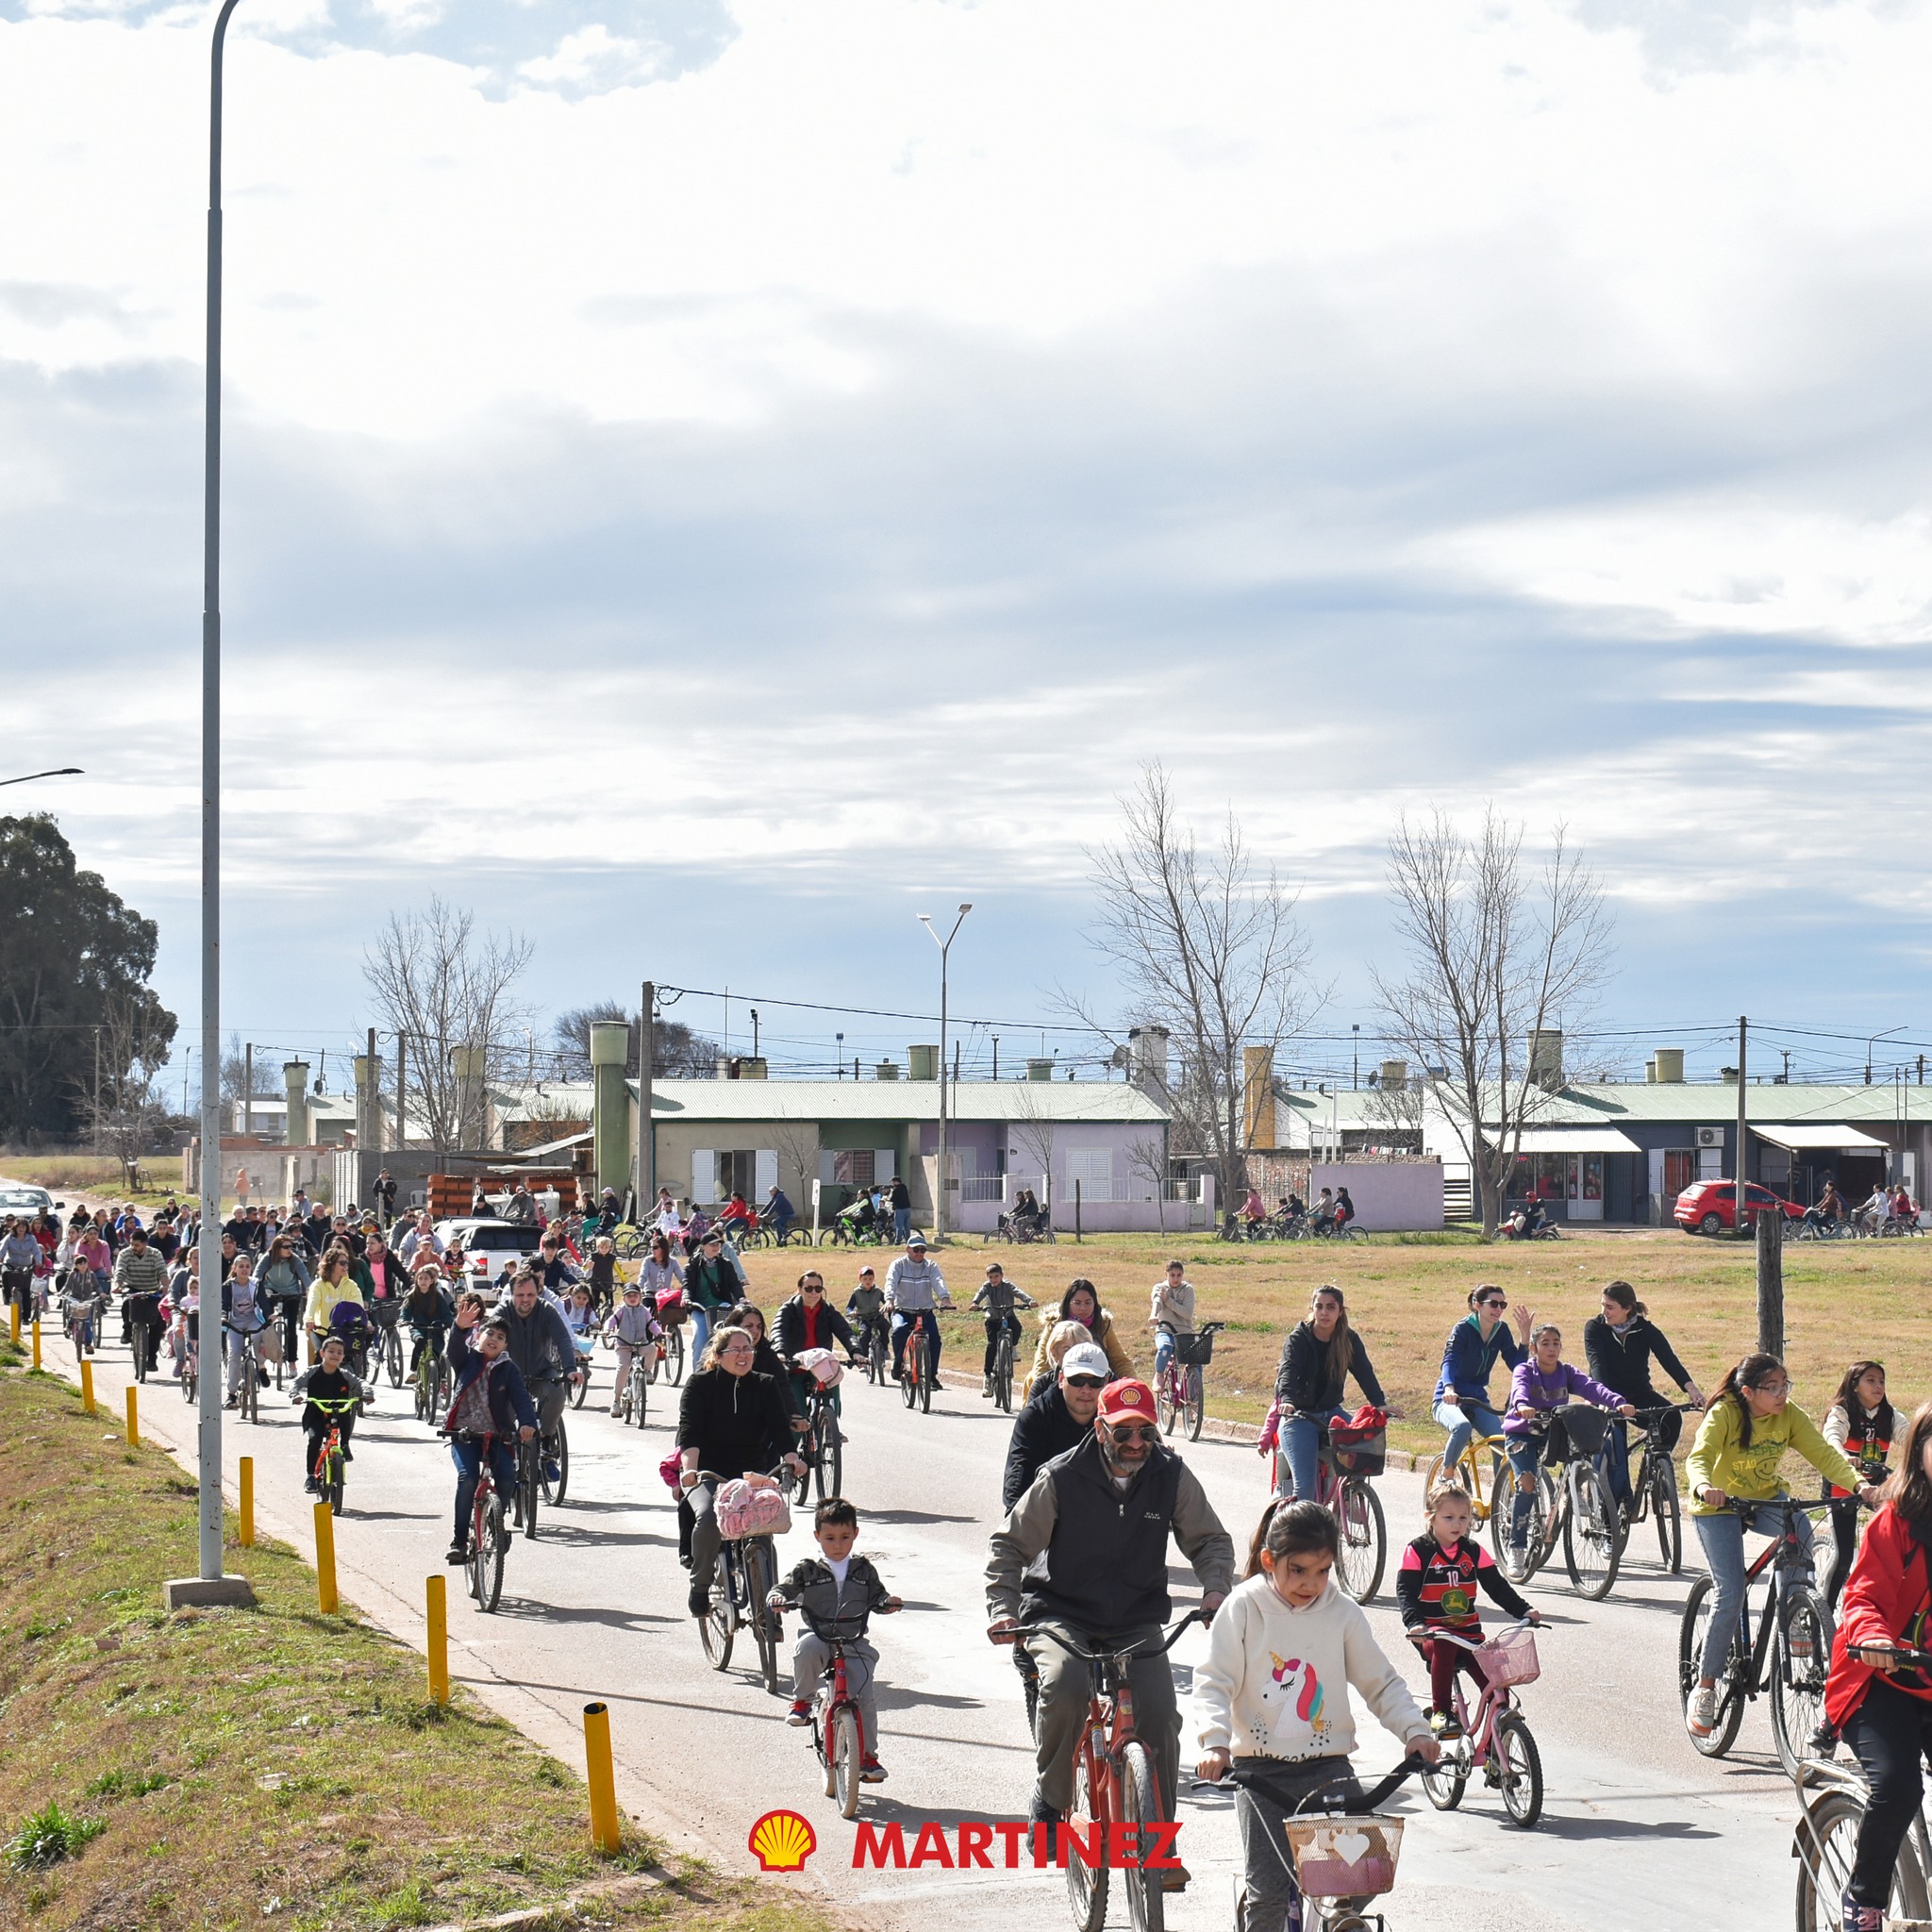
(1282, 1653)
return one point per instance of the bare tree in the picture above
(1497, 954)
(1147, 1161)
(235, 1066)
(1034, 1128)
(796, 1143)
(1209, 950)
(677, 1052)
(449, 989)
(129, 1116)
(1396, 1114)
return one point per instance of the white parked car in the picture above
(489, 1245)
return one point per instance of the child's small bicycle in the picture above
(1496, 1740)
(330, 1464)
(838, 1734)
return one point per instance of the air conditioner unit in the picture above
(1710, 1137)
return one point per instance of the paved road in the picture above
(1638, 1832)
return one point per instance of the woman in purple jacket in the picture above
(1543, 1383)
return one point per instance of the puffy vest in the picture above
(1105, 1569)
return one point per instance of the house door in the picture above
(1680, 1169)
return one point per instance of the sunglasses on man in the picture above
(1135, 1432)
(1085, 1382)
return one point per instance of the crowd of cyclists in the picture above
(1091, 1494)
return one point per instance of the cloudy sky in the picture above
(709, 482)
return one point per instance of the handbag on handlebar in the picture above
(1359, 1445)
(742, 1511)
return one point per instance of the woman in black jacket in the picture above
(730, 1423)
(1316, 1360)
(1620, 1345)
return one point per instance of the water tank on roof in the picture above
(1670, 1065)
(1040, 1070)
(886, 1069)
(1394, 1075)
(923, 1063)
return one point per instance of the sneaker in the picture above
(1040, 1812)
(871, 1773)
(456, 1552)
(1863, 1918)
(1700, 1714)
(1444, 1726)
(699, 1602)
(1176, 1879)
(985, 1388)
(800, 1713)
(311, 1488)
(550, 1471)
(233, 1401)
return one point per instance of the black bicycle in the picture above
(747, 1575)
(534, 1486)
(822, 1445)
(1787, 1658)
(1654, 1495)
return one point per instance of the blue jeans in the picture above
(1722, 1537)
(1463, 1421)
(1301, 1442)
(700, 1330)
(468, 1458)
(1613, 1460)
(902, 1224)
(901, 1327)
(1163, 1350)
(1525, 1452)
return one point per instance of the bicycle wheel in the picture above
(392, 1355)
(251, 1389)
(1364, 1538)
(479, 1542)
(421, 1379)
(1140, 1805)
(673, 1355)
(496, 1548)
(1003, 1374)
(925, 1376)
(189, 1378)
(140, 1351)
(1167, 1403)
(332, 1484)
(1444, 1782)
(528, 1484)
(1085, 1884)
(879, 1361)
(640, 1395)
(579, 1384)
(802, 1482)
(1826, 1845)
(1730, 1700)
(908, 1388)
(846, 1760)
(1800, 1653)
(1664, 1511)
(1517, 1561)
(760, 1579)
(831, 1454)
(1591, 1541)
(1519, 1769)
(716, 1631)
(554, 1492)
(1196, 1400)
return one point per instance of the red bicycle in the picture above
(1114, 1783)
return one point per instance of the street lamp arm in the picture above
(28, 779)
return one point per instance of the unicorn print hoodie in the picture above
(1277, 1680)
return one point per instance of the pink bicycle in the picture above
(1496, 1740)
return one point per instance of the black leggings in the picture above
(1845, 1537)
(995, 1326)
(1890, 1733)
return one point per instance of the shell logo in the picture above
(782, 1842)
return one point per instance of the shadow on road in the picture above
(1554, 1826)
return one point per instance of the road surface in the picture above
(1639, 1831)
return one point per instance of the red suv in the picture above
(1710, 1207)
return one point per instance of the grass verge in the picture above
(264, 1768)
(1842, 1300)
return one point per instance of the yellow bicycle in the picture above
(1467, 1471)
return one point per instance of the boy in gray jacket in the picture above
(834, 1596)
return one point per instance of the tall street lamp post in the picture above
(945, 946)
(211, 1584)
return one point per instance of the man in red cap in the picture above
(1085, 1551)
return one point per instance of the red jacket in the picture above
(1886, 1601)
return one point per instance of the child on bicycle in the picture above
(633, 1325)
(492, 1408)
(1732, 1474)
(427, 1312)
(1543, 1383)
(864, 1306)
(327, 1381)
(834, 1593)
(997, 1299)
(1283, 1652)
(604, 1274)
(1860, 1425)
(1436, 1589)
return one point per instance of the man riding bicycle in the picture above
(140, 1275)
(541, 1348)
(1085, 1549)
(915, 1291)
(997, 1299)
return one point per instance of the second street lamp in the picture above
(945, 946)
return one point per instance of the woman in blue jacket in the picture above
(1462, 1402)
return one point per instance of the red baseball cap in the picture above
(1127, 1401)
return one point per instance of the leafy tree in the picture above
(74, 962)
(677, 1052)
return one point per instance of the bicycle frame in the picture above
(1490, 1706)
(1758, 1650)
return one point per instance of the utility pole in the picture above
(372, 1133)
(647, 1131)
(1356, 1030)
(754, 1033)
(838, 1053)
(402, 1090)
(249, 1087)
(945, 946)
(1744, 1032)
(995, 1058)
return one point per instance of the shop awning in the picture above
(1576, 1141)
(1807, 1138)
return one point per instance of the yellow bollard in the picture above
(13, 1310)
(87, 1385)
(326, 1558)
(605, 1828)
(133, 1420)
(439, 1641)
(36, 1344)
(247, 1510)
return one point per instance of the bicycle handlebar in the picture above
(1376, 1795)
(1101, 1657)
(1463, 1643)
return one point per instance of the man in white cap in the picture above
(915, 1291)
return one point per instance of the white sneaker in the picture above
(1700, 1714)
